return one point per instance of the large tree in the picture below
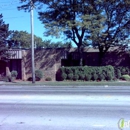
(4, 35)
(116, 26)
(23, 39)
(74, 18)
(52, 44)
(102, 23)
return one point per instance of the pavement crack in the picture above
(21, 122)
(4, 119)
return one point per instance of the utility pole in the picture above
(32, 41)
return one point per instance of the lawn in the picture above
(72, 83)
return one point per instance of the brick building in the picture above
(49, 60)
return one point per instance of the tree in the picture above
(102, 23)
(23, 39)
(116, 26)
(73, 18)
(50, 44)
(4, 34)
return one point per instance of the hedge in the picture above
(87, 73)
(119, 71)
(125, 77)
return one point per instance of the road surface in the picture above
(63, 108)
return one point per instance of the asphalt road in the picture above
(68, 90)
(63, 108)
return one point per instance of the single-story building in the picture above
(49, 60)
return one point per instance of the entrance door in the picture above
(16, 65)
(2, 68)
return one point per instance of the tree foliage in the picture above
(74, 18)
(23, 39)
(4, 34)
(50, 44)
(116, 25)
(101, 23)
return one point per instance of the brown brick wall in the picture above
(49, 61)
(46, 60)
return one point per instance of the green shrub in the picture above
(101, 77)
(127, 70)
(110, 72)
(123, 71)
(70, 76)
(87, 73)
(62, 69)
(14, 73)
(68, 70)
(63, 76)
(48, 79)
(109, 76)
(125, 77)
(104, 73)
(88, 77)
(73, 69)
(81, 76)
(118, 74)
(95, 76)
(38, 74)
(75, 77)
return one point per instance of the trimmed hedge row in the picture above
(93, 73)
(120, 71)
(87, 73)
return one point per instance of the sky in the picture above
(20, 20)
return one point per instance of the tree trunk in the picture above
(101, 56)
(80, 56)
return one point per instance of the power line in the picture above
(7, 9)
(8, 4)
(16, 17)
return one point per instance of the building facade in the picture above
(49, 60)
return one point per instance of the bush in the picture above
(118, 74)
(75, 77)
(119, 71)
(82, 76)
(95, 76)
(70, 76)
(38, 74)
(101, 77)
(62, 69)
(124, 72)
(14, 73)
(87, 73)
(68, 70)
(109, 76)
(63, 76)
(48, 79)
(88, 77)
(125, 77)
